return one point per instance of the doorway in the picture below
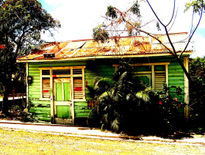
(62, 100)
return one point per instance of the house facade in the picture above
(59, 73)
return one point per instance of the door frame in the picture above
(56, 103)
(71, 75)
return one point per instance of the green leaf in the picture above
(111, 12)
(136, 8)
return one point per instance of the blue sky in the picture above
(201, 31)
(79, 17)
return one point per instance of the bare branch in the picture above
(173, 52)
(173, 12)
(201, 13)
(173, 20)
(155, 14)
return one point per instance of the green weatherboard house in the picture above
(58, 73)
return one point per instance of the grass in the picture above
(25, 142)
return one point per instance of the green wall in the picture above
(94, 68)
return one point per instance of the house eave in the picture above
(187, 53)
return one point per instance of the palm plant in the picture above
(120, 103)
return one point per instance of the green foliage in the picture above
(21, 23)
(116, 19)
(111, 12)
(127, 106)
(158, 26)
(99, 34)
(136, 8)
(197, 5)
(197, 92)
(112, 99)
(27, 116)
(169, 109)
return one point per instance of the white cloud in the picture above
(198, 42)
(79, 17)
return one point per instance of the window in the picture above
(144, 73)
(45, 74)
(64, 91)
(154, 75)
(159, 77)
(78, 88)
(61, 72)
(46, 87)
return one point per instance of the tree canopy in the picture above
(21, 25)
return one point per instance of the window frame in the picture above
(152, 71)
(71, 76)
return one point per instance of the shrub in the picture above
(126, 105)
(197, 93)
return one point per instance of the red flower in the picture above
(2, 46)
(160, 102)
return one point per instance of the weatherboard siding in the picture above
(41, 108)
(93, 69)
(176, 78)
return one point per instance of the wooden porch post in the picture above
(52, 98)
(186, 89)
(72, 98)
(27, 74)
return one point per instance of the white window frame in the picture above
(152, 70)
(71, 76)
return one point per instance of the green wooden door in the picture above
(62, 100)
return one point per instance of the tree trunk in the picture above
(5, 100)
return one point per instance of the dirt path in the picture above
(24, 142)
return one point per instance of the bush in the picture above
(126, 105)
(197, 94)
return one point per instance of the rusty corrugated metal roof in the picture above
(133, 46)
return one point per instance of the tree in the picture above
(115, 17)
(21, 25)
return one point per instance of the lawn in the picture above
(25, 142)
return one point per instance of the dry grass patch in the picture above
(25, 142)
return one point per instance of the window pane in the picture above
(78, 88)
(61, 72)
(45, 72)
(142, 68)
(59, 90)
(46, 87)
(145, 79)
(66, 91)
(77, 71)
(160, 80)
(159, 68)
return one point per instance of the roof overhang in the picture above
(187, 53)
